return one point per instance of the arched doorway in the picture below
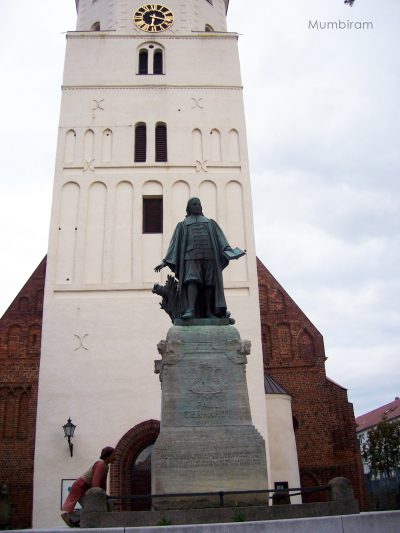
(131, 472)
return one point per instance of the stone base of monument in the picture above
(207, 441)
(95, 514)
(212, 459)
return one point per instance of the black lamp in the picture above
(69, 429)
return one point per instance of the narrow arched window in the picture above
(158, 62)
(140, 143)
(95, 26)
(161, 143)
(143, 62)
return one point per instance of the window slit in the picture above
(140, 143)
(158, 62)
(143, 62)
(161, 143)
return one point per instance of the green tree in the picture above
(381, 450)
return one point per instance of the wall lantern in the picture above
(69, 429)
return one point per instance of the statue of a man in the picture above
(197, 254)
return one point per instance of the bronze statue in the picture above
(197, 254)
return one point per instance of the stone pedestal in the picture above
(207, 442)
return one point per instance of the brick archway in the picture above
(127, 450)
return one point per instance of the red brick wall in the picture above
(20, 333)
(294, 356)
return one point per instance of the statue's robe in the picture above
(175, 259)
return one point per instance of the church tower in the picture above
(151, 115)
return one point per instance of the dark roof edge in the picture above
(272, 387)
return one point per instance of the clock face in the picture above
(153, 18)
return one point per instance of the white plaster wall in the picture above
(284, 464)
(118, 15)
(190, 60)
(101, 323)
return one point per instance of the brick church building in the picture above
(294, 358)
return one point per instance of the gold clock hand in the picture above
(159, 18)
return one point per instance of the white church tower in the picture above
(151, 114)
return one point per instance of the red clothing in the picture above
(94, 477)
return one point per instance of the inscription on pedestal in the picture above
(203, 412)
(214, 457)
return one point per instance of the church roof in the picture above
(272, 387)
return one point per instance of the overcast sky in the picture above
(323, 117)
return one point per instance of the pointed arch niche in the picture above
(234, 146)
(276, 301)
(95, 228)
(208, 197)
(69, 147)
(88, 145)
(22, 414)
(197, 145)
(235, 228)
(180, 197)
(123, 480)
(306, 347)
(14, 410)
(284, 343)
(122, 257)
(267, 342)
(215, 140)
(34, 334)
(106, 148)
(15, 341)
(67, 232)
(9, 409)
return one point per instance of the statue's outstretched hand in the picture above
(159, 267)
